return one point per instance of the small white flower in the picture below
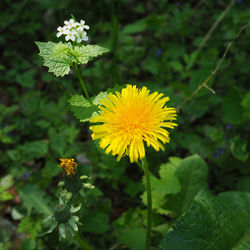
(70, 35)
(61, 31)
(79, 39)
(84, 36)
(82, 22)
(71, 23)
(73, 31)
(79, 29)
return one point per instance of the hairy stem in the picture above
(75, 67)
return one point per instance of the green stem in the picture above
(82, 242)
(75, 67)
(149, 203)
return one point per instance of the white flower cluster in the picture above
(73, 31)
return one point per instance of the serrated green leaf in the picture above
(96, 100)
(35, 198)
(79, 101)
(84, 114)
(57, 56)
(211, 223)
(82, 108)
(85, 53)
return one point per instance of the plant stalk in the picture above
(75, 67)
(83, 244)
(149, 203)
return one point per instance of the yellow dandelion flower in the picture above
(68, 166)
(130, 119)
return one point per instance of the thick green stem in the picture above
(149, 203)
(75, 67)
(83, 244)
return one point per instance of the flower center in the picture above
(68, 166)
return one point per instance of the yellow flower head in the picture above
(68, 166)
(130, 119)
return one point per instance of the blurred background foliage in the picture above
(163, 44)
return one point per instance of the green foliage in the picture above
(134, 238)
(238, 148)
(96, 223)
(5, 183)
(34, 198)
(192, 175)
(31, 226)
(167, 184)
(83, 109)
(58, 57)
(231, 109)
(212, 223)
(246, 105)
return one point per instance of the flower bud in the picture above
(62, 213)
(72, 183)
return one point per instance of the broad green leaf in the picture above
(212, 223)
(231, 108)
(192, 175)
(87, 52)
(82, 108)
(167, 184)
(133, 238)
(35, 198)
(57, 56)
